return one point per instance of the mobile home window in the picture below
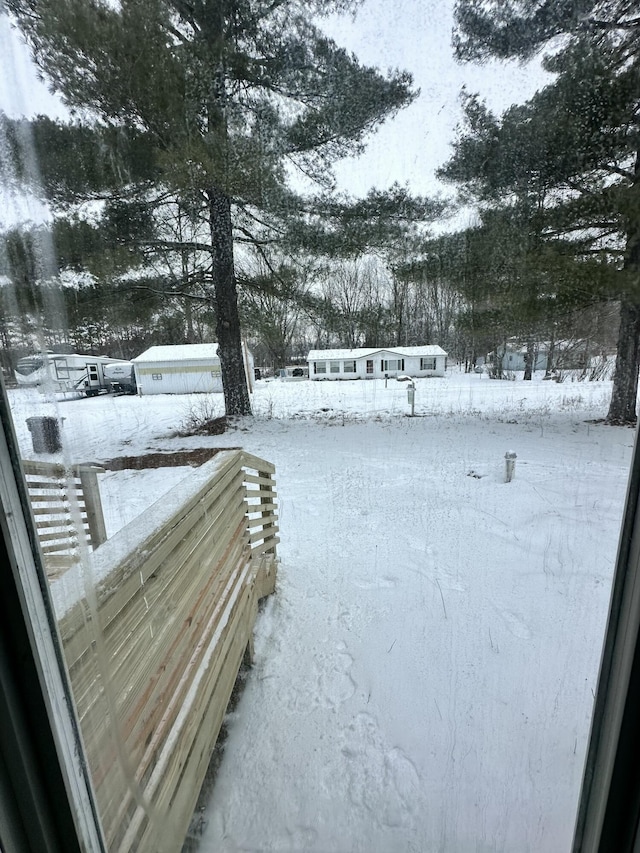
(350, 366)
(393, 364)
(156, 376)
(319, 366)
(427, 364)
(334, 366)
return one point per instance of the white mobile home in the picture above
(181, 369)
(376, 363)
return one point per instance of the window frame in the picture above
(62, 368)
(608, 816)
(47, 804)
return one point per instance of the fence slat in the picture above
(254, 479)
(263, 534)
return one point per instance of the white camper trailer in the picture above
(121, 377)
(49, 371)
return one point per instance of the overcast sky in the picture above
(414, 35)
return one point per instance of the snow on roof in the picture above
(366, 352)
(179, 352)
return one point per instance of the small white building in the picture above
(377, 362)
(565, 355)
(514, 356)
(181, 369)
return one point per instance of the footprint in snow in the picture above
(515, 625)
(328, 683)
(381, 780)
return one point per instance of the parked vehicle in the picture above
(65, 372)
(121, 376)
(294, 373)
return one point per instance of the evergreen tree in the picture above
(577, 141)
(225, 94)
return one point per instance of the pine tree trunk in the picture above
(528, 361)
(188, 319)
(550, 357)
(234, 380)
(622, 409)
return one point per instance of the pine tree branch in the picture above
(177, 245)
(612, 26)
(249, 238)
(617, 170)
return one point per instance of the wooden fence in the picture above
(66, 505)
(155, 647)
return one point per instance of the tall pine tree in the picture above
(579, 137)
(229, 92)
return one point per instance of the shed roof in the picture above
(367, 352)
(179, 352)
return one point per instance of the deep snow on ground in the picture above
(425, 671)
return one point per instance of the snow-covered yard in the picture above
(426, 669)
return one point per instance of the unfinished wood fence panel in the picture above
(154, 655)
(66, 506)
(261, 496)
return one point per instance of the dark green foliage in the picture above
(271, 306)
(70, 162)
(386, 221)
(568, 158)
(509, 29)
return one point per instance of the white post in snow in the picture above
(510, 465)
(411, 396)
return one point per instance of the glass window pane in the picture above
(430, 655)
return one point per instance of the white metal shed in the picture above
(181, 369)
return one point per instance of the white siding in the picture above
(380, 364)
(183, 369)
(184, 377)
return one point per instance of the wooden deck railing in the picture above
(154, 648)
